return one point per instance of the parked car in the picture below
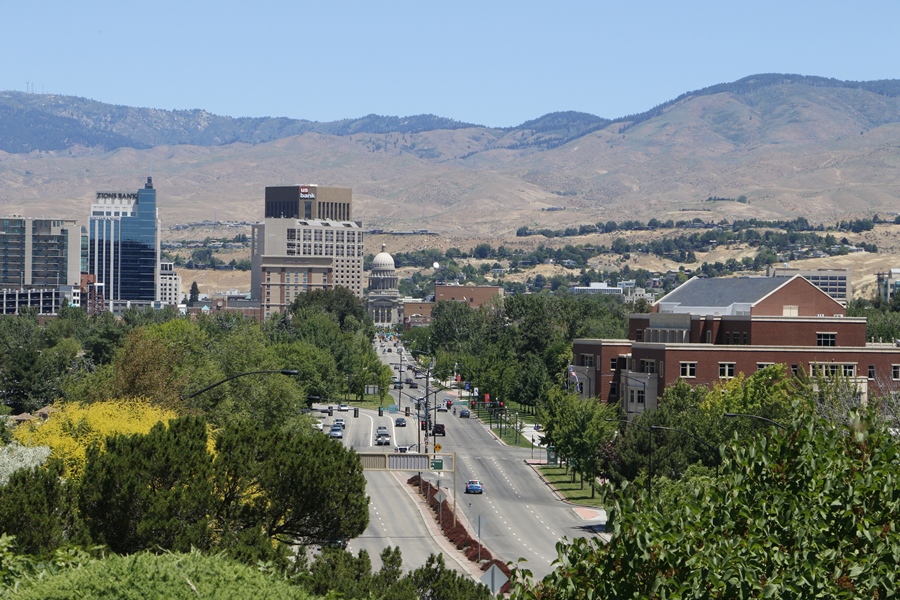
(439, 429)
(337, 432)
(400, 422)
(464, 413)
(473, 486)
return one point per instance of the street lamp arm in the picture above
(227, 379)
(775, 423)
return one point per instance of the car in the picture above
(381, 429)
(439, 429)
(408, 380)
(337, 432)
(340, 422)
(318, 426)
(413, 386)
(473, 486)
(343, 408)
(464, 413)
(400, 422)
(442, 407)
(398, 385)
(420, 375)
(395, 379)
(383, 440)
(390, 349)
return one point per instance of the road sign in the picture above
(440, 497)
(437, 447)
(467, 385)
(494, 578)
(487, 398)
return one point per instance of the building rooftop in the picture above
(720, 293)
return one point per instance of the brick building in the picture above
(708, 330)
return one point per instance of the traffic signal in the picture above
(472, 404)
(330, 411)
(380, 411)
(501, 405)
(356, 412)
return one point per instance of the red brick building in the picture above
(708, 330)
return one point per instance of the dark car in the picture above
(439, 429)
(398, 386)
(464, 413)
(400, 422)
(413, 386)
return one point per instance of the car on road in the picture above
(420, 375)
(398, 385)
(381, 429)
(390, 349)
(383, 440)
(464, 413)
(343, 408)
(318, 426)
(408, 380)
(442, 407)
(439, 429)
(413, 386)
(473, 486)
(400, 422)
(337, 432)
(339, 422)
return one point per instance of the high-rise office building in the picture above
(39, 252)
(123, 245)
(307, 241)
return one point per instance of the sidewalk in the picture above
(595, 517)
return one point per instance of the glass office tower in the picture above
(123, 249)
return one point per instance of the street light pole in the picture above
(290, 372)
(775, 423)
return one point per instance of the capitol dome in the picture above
(383, 260)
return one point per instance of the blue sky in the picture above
(494, 63)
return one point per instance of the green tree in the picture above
(195, 293)
(149, 491)
(33, 507)
(804, 513)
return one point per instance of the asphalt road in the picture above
(520, 516)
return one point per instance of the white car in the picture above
(339, 423)
(318, 426)
(337, 432)
(382, 430)
(343, 408)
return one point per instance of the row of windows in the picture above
(688, 370)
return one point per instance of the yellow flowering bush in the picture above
(74, 427)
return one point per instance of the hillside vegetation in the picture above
(791, 145)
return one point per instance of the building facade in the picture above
(39, 253)
(124, 244)
(710, 330)
(309, 202)
(383, 301)
(169, 284)
(834, 282)
(290, 256)
(888, 284)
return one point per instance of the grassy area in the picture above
(562, 481)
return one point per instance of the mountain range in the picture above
(786, 145)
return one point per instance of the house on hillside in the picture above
(709, 330)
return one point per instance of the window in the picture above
(613, 364)
(614, 389)
(727, 338)
(849, 370)
(640, 396)
(895, 372)
(871, 371)
(639, 335)
(826, 339)
(726, 370)
(688, 369)
(790, 311)
(648, 366)
(761, 366)
(587, 360)
(795, 370)
(746, 338)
